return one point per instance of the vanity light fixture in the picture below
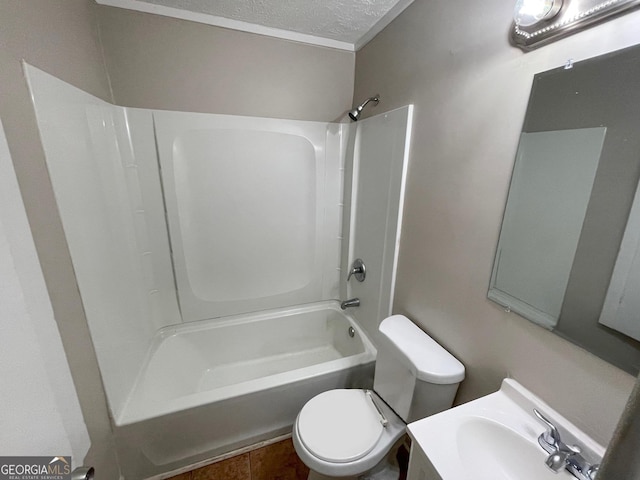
(538, 22)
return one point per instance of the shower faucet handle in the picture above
(358, 270)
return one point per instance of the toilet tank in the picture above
(414, 375)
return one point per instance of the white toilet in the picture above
(350, 432)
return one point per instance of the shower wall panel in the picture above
(253, 207)
(96, 185)
(380, 159)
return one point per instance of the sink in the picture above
(496, 438)
(497, 452)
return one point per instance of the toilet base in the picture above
(387, 469)
(318, 476)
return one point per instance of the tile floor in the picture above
(277, 461)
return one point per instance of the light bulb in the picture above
(530, 12)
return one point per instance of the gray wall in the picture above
(166, 63)
(60, 37)
(452, 59)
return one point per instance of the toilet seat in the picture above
(340, 425)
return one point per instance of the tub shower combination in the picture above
(209, 252)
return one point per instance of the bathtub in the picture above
(214, 386)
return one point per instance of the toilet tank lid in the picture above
(431, 362)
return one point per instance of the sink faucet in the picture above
(562, 455)
(353, 302)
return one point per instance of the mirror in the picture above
(559, 258)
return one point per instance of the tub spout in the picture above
(354, 302)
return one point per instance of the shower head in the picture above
(355, 113)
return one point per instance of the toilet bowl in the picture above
(351, 432)
(340, 433)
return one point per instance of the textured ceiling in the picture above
(350, 21)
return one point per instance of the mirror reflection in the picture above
(566, 254)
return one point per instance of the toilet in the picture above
(351, 432)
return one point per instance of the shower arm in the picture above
(375, 99)
(355, 113)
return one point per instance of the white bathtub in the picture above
(211, 387)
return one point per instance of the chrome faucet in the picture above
(353, 302)
(563, 456)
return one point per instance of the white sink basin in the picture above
(494, 451)
(496, 438)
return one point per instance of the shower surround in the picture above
(209, 251)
